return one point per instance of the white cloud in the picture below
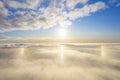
(3, 10)
(86, 10)
(50, 61)
(31, 17)
(28, 4)
(73, 3)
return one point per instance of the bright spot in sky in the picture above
(62, 32)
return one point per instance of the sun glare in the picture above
(62, 32)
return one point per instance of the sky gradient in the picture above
(82, 19)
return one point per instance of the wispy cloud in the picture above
(3, 37)
(112, 1)
(32, 15)
(118, 5)
(115, 3)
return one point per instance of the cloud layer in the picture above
(60, 62)
(32, 15)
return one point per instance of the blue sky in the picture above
(83, 19)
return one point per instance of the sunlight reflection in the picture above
(62, 53)
(62, 48)
(22, 51)
(101, 47)
(103, 51)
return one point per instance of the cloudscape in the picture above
(27, 15)
(59, 39)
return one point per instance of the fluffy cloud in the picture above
(26, 4)
(3, 11)
(32, 15)
(86, 10)
(73, 3)
(51, 62)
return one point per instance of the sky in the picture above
(81, 19)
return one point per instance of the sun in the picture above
(62, 32)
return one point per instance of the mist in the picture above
(60, 61)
